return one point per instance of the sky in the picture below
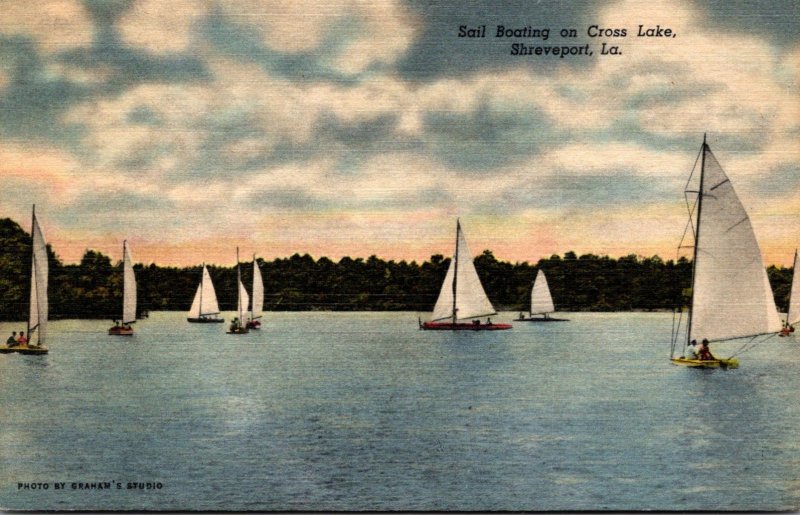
(191, 127)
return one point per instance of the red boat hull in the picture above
(449, 326)
(121, 331)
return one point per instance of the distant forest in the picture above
(93, 288)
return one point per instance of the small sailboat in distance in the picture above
(205, 308)
(541, 302)
(128, 296)
(793, 310)
(257, 302)
(731, 294)
(462, 300)
(38, 314)
(237, 325)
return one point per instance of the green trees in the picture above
(93, 287)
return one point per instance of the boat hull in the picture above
(706, 363)
(205, 320)
(448, 326)
(238, 330)
(121, 331)
(23, 349)
(534, 319)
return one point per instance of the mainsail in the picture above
(793, 314)
(37, 321)
(541, 301)
(258, 292)
(731, 295)
(205, 298)
(243, 300)
(128, 287)
(462, 296)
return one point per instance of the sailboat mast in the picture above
(697, 234)
(238, 287)
(253, 301)
(202, 277)
(33, 271)
(789, 303)
(124, 259)
(455, 271)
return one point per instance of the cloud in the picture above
(56, 25)
(367, 127)
(303, 34)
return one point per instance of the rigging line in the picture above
(686, 198)
(752, 344)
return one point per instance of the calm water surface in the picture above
(357, 411)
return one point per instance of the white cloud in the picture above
(55, 24)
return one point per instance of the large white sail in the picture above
(37, 321)
(128, 287)
(470, 298)
(205, 298)
(258, 291)
(732, 297)
(793, 316)
(243, 300)
(541, 300)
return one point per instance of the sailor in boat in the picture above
(704, 353)
(22, 340)
(691, 350)
(12, 340)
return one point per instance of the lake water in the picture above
(362, 411)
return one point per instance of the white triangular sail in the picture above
(793, 315)
(243, 300)
(541, 301)
(732, 297)
(470, 298)
(205, 298)
(37, 320)
(258, 292)
(128, 287)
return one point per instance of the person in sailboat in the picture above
(12, 340)
(22, 340)
(705, 353)
(691, 350)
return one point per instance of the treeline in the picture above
(93, 288)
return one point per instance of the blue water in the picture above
(362, 411)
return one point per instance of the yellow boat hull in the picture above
(706, 363)
(23, 349)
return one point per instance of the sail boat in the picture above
(237, 326)
(462, 296)
(37, 318)
(258, 297)
(205, 308)
(793, 311)
(731, 294)
(541, 302)
(128, 296)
